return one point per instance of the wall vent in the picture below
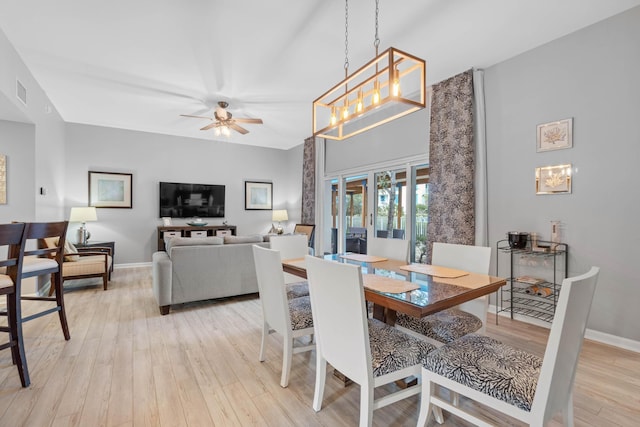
(21, 92)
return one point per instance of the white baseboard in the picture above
(601, 337)
(132, 265)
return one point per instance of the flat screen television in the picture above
(179, 200)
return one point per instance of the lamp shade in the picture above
(83, 214)
(280, 215)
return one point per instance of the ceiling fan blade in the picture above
(209, 126)
(197, 117)
(245, 120)
(238, 128)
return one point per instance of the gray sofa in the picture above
(195, 269)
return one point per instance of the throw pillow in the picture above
(243, 239)
(69, 251)
(192, 241)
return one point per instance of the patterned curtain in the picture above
(451, 163)
(309, 182)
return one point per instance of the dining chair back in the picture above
(291, 318)
(367, 351)
(517, 383)
(46, 260)
(389, 248)
(12, 241)
(292, 247)
(474, 259)
(471, 316)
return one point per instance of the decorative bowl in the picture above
(197, 223)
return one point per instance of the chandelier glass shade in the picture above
(386, 88)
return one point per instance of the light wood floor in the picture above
(126, 365)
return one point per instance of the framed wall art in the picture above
(258, 195)
(553, 179)
(555, 135)
(110, 190)
(3, 179)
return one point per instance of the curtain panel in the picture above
(309, 182)
(451, 163)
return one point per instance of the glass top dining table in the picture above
(433, 293)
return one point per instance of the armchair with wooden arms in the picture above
(309, 230)
(84, 263)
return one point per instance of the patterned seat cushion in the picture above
(444, 326)
(297, 290)
(300, 313)
(489, 366)
(392, 350)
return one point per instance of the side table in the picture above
(93, 244)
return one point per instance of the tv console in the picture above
(192, 231)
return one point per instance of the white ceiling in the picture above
(139, 64)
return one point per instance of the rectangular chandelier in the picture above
(389, 86)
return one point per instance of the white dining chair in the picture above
(367, 351)
(397, 249)
(292, 247)
(509, 380)
(451, 324)
(291, 318)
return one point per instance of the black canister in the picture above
(518, 239)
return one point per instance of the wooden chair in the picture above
(46, 261)
(292, 247)
(291, 318)
(449, 325)
(308, 229)
(367, 351)
(83, 263)
(12, 236)
(517, 383)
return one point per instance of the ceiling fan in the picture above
(223, 121)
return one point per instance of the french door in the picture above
(353, 211)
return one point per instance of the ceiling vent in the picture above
(21, 92)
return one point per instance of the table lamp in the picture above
(83, 215)
(279, 215)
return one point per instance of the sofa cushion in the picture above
(192, 241)
(255, 238)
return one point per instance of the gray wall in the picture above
(399, 139)
(592, 76)
(152, 158)
(47, 162)
(17, 143)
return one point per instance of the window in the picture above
(390, 200)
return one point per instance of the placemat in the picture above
(363, 257)
(295, 262)
(387, 284)
(434, 270)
